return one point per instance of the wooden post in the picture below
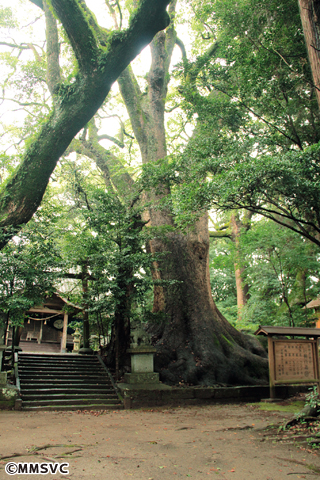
(41, 330)
(64, 334)
(316, 363)
(271, 367)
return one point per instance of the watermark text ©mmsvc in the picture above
(12, 468)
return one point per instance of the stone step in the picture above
(60, 370)
(67, 381)
(39, 375)
(83, 396)
(93, 406)
(73, 383)
(105, 390)
(52, 356)
(57, 358)
(56, 363)
(66, 402)
(35, 347)
(63, 378)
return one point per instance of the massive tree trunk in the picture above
(101, 57)
(310, 19)
(195, 344)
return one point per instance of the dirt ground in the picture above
(222, 442)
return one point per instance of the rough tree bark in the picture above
(238, 226)
(310, 19)
(195, 344)
(101, 57)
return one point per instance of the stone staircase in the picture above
(65, 382)
(35, 347)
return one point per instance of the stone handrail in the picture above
(110, 376)
(16, 371)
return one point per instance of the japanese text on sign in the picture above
(293, 361)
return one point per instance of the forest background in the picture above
(114, 176)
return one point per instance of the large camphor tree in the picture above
(195, 344)
(259, 119)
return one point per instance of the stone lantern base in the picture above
(141, 378)
(141, 366)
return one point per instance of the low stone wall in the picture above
(149, 397)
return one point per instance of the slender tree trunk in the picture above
(86, 326)
(242, 288)
(117, 356)
(5, 319)
(17, 336)
(310, 19)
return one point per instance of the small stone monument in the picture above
(142, 354)
(76, 340)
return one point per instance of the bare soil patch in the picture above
(223, 442)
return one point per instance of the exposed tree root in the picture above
(308, 413)
(297, 462)
(35, 450)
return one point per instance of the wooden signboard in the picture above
(292, 361)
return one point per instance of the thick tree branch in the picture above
(113, 13)
(78, 102)
(53, 67)
(110, 166)
(144, 108)
(170, 41)
(132, 97)
(76, 19)
(22, 46)
(81, 147)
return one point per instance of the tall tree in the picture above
(195, 344)
(100, 56)
(233, 229)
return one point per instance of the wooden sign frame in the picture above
(292, 362)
